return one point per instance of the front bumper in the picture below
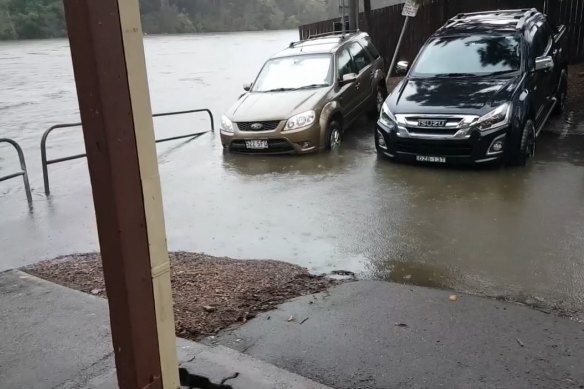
(280, 141)
(476, 148)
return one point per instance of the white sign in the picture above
(410, 9)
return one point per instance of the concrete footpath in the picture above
(371, 334)
(358, 335)
(54, 337)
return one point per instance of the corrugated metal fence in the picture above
(386, 23)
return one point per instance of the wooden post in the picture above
(367, 9)
(110, 74)
(353, 15)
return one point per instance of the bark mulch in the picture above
(210, 293)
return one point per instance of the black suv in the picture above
(480, 90)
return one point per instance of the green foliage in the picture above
(31, 19)
(26, 19)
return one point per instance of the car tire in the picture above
(334, 136)
(561, 95)
(378, 100)
(524, 150)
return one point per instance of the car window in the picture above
(345, 64)
(482, 54)
(295, 72)
(548, 36)
(360, 56)
(542, 40)
(368, 45)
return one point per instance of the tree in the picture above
(26, 19)
(7, 30)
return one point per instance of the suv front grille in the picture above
(258, 126)
(432, 131)
(447, 125)
(451, 148)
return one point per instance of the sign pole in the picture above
(410, 10)
(399, 43)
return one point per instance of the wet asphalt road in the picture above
(517, 233)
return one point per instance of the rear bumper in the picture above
(475, 149)
(303, 141)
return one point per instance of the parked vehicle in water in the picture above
(480, 90)
(306, 96)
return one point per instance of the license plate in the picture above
(256, 144)
(425, 158)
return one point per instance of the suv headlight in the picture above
(496, 118)
(301, 120)
(226, 124)
(387, 118)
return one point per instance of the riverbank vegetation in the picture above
(35, 19)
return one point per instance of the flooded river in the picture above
(516, 233)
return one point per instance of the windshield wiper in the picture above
(501, 72)
(278, 90)
(312, 86)
(456, 75)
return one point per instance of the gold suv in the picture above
(306, 96)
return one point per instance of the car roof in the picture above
(490, 22)
(321, 44)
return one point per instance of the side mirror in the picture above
(544, 63)
(402, 67)
(247, 87)
(348, 79)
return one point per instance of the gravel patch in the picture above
(210, 293)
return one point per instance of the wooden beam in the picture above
(110, 74)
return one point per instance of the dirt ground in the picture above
(210, 293)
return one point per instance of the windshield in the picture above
(469, 55)
(297, 72)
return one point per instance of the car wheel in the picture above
(334, 136)
(561, 96)
(525, 150)
(379, 99)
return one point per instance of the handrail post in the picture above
(212, 119)
(24, 172)
(44, 162)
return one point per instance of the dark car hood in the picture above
(256, 106)
(455, 96)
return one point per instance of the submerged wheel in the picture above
(334, 136)
(561, 96)
(525, 150)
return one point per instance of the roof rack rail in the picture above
(528, 14)
(522, 15)
(341, 34)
